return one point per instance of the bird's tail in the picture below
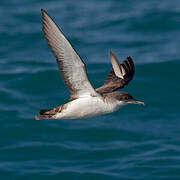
(48, 113)
(44, 114)
(38, 117)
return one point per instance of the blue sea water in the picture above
(135, 143)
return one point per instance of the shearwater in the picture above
(85, 101)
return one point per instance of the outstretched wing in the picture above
(70, 65)
(120, 75)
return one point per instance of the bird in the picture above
(85, 101)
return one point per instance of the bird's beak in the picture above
(133, 101)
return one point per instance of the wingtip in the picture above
(113, 57)
(130, 58)
(43, 11)
(111, 53)
(116, 65)
(131, 64)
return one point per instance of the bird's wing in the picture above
(120, 75)
(70, 65)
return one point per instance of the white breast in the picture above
(86, 107)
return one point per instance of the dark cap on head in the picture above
(125, 97)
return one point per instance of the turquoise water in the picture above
(135, 143)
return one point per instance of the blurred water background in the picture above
(135, 143)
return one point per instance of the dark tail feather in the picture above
(48, 113)
(44, 114)
(44, 111)
(38, 117)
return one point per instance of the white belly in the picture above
(86, 107)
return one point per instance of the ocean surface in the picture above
(135, 143)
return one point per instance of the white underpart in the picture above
(87, 107)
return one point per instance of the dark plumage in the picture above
(113, 82)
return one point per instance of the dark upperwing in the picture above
(120, 75)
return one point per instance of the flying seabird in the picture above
(85, 101)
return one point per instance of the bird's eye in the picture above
(126, 97)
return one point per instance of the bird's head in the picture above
(125, 98)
